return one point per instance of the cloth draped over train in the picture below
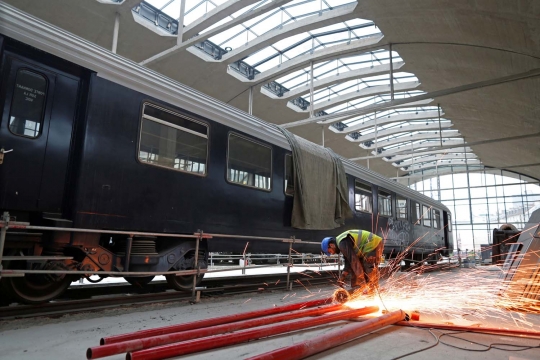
(320, 186)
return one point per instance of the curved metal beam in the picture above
(422, 115)
(342, 13)
(416, 167)
(441, 158)
(348, 75)
(325, 54)
(420, 103)
(219, 29)
(392, 158)
(221, 12)
(408, 139)
(373, 90)
(434, 94)
(402, 129)
(406, 148)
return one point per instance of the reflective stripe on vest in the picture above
(364, 244)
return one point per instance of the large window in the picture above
(363, 197)
(436, 219)
(385, 203)
(173, 141)
(401, 207)
(426, 215)
(289, 175)
(249, 163)
(416, 212)
(497, 197)
(28, 104)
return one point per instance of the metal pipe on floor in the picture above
(212, 322)
(197, 345)
(506, 332)
(145, 343)
(331, 339)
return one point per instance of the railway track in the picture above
(92, 297)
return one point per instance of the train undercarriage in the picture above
(39, 263)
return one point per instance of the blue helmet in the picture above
(325, 243)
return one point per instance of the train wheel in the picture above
(141, 281)
(184, 283)
(38, 288)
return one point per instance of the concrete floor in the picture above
(68, 337)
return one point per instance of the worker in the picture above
(362, 252)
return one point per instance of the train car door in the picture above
(37, 107)
(447, 228)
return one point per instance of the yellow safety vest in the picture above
(364, 241)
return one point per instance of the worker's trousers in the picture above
(359, 269)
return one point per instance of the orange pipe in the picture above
(211, 322)
(331, 339)
(213, 342)
(153, 341)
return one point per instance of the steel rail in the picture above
(91, 304)
(18, 272)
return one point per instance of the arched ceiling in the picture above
(230, 49)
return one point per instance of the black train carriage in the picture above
(91, 153)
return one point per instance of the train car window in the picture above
(28, 104)
(416, 212)
(385, 203)
(449, 222)
(401, 205)
(436, 219)
(363, 197)
(173, 141)
(426, 214)
(289, 175)
(249, 163)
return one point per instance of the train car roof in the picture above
(44, 36)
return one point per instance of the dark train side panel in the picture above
(119, 192)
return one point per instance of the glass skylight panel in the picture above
(172, 9)
(369, 100)
(269, 64)
(225, 36)
(260, 27)
(355, 85)
(236, 14)
(298, 50)
(305, 39)
(332, 67)
(265, 22)
(289, 41)
(159, 4)
(260, 56)
(299, 8)
(196, 9)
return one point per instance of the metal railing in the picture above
(6, 224)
